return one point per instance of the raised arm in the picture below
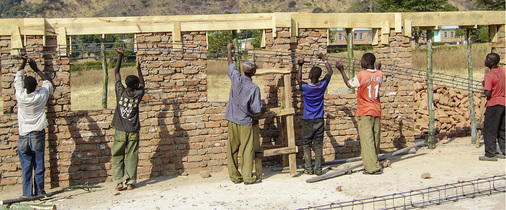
(339, 66)
(327, 64)
(120, 52)
(33, 65)
(300, 62)
(229, 53)
(139, 72)
(24, 59)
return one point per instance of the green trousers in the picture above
(369, 132)
(125, 156)
(240, 139)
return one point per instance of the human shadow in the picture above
(90, 154)
(168, 157)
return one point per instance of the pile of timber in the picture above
(451, 110)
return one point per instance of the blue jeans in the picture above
(31, 155)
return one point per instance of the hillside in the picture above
(111, 8)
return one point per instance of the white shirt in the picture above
(31, 107)
(353, 82)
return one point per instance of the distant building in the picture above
(245, 44)
(361, 36)
(364, 36)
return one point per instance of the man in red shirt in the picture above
(494, 115)
(368, 112)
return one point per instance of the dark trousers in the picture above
(31, 155)
(313, 131)
(494, 129)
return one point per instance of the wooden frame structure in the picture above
(286, 112)
(379, 22)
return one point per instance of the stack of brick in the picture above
(451, 111)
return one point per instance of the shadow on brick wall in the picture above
(79, 151)
(170, 151)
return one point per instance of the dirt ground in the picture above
(447, 164)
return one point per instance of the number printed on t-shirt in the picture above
(376, 90)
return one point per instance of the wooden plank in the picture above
(16, 41)
(385, 33)
(176, 35)
(422, 19)
(272, 71)
(343, 20)
(256, 147)
(147, 24)
(262, 38)
(290, 131)
(61, 39)
(278, 151)
(276, 112)
(398, 22)
(493, 33)
(294, 31)
(407, 31)
(375, 35)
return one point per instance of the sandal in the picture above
(130, 186)
(119, 187)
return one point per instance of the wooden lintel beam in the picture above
(272, 71)
(425, 19)
(278, 151)
(469, 27)
(150, 24)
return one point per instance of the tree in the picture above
(489, 4)
(363, 6)
(415, 6)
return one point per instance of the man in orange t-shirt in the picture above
(368, 112)
(494, 115)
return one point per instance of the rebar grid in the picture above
(285, 58)
(424, 197)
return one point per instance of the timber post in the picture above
(351, 57)
(470, 84)
(105, 72)
(430, 90)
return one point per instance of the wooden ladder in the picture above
(286, 112)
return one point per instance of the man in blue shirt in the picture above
(313, 94)
(244, 101)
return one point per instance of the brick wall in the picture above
(182, 131)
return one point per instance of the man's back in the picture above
(368, 99)
(31, 106)
(494, 82)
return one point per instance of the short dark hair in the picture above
(494, 58)
(131, 81)
(316, 72)
(30, 84)
(369, 58)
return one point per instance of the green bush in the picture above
(292, 4)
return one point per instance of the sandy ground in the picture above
(446, 164)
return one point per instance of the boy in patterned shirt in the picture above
(368, 112)
(125, 150)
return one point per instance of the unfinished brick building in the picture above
(181, 129)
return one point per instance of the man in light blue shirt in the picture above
(244, 101)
